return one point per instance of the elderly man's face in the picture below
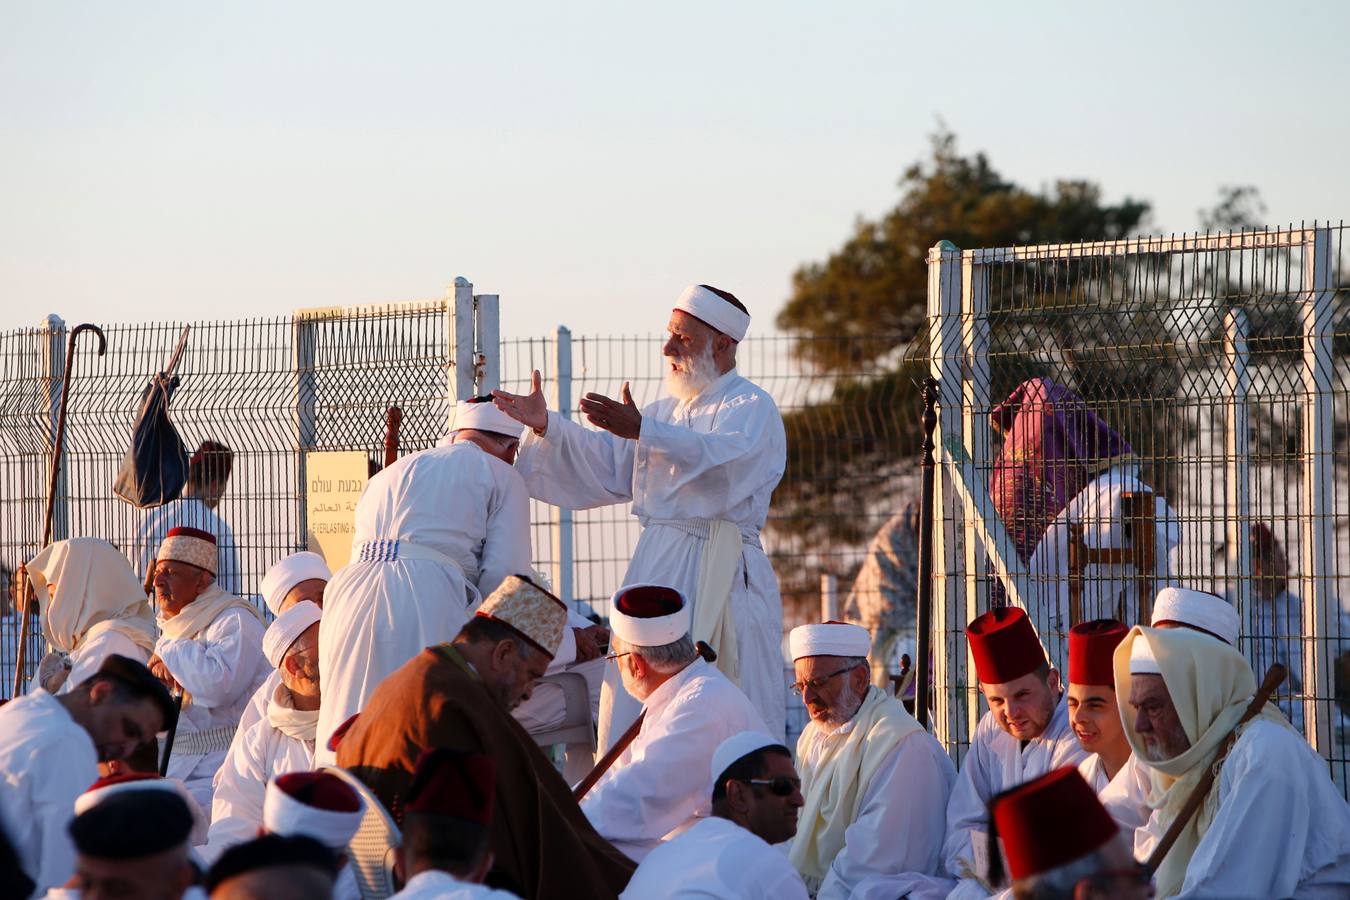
(1024, 706)
(511, 679)
(300, 666)
(1156, 719)
(177, 584)
(831, 689)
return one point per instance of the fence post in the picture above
(459, 336)
(488, 337)
(1236, 441)
(975, 404)
(306, 418)
(562, 521)
(829, 601)
(1318, 441)
(55, 330)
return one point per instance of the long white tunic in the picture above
(996, 762)
(1282, 828)
(220, 669)
(661, 783)
(46, 761)
(716, 859)
(470, 510)
(716, 457)
(1125, 795)
(254, 711)
(434, 884)
(903, 817)
(189, 512)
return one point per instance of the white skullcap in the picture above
(736, 746)
(713, 310)
(288, 626)
(1142, 660)
(649, 615)
(1196, 609)
(485, 416)
(289, 571)
(829, 639)
(331, 817)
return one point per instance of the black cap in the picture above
(269, 851)
(132, 824)
(141, 681)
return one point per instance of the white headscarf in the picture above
(95, 591)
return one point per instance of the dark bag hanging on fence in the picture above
(155, 468)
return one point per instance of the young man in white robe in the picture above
(50, 750)
(699, 467)
(1273, 824)
(658, 787)
(729, 855)
(209, 649)
(1024, 734)
(435, 533)
(282, 741)
(876, 784)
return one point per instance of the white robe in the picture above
(220, 669)
(1125, 795)
(46, 761)
(901, 821)
(996, 762)
(254, 711)
(715, 860)
(241, 784)
(547, 708)
(716, 457)
(434, 884)
(1282, 828)
(661, 783)
(456, 501)
(190, 512)
(91, 652)
(1277, 636)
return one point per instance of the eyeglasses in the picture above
(816, 683)
(782, 785)
(618, 655)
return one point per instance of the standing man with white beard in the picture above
(700, 467)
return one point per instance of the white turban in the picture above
(485, 416)
(713, 310)
(288, 626)
(289, 571)
(829, 639)
(331, 818)
(649, 615)
(1197, 609)
(737, 746)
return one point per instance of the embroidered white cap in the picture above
(829, 639)
(1197, 610)
(285, 628)
(711, 309)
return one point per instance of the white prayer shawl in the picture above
(281, 742)
(434, 884)
(876, 795)
(1097, 508)
(189, 512)
(660, 784)
(46, 761)
(99, 607)
(462, 505)
(996, 762)
(717, 457)
(716, 859)
(219, 668)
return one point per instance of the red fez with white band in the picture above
(529, 611)
(113, 785)
(1049, 822)
(649, 615)
(289, 571)
(829, 639)
(316, 804)
(1091, 646)
(1004, 645)
(713, 310)
(189, 545)
(453, 783)
(287, 628)
(483, 415)
(1197, 610)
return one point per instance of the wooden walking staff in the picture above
(923, 676)
(1274, 678)
(393, 421)
(20, 660)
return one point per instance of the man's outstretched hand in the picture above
(621, 418)
(531, 410)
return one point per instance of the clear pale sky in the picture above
(177, 160)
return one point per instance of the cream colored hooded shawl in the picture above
(96, 591)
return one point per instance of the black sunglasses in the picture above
(782, 786)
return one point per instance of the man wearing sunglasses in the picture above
(875, 783)
(755, 798)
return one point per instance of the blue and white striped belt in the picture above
(393, 551)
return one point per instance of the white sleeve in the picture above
(967, 812)
(256, 709)
(237, 804)
(506, 548)
(576, 467)
(57, 779)
(210, 666)
(902, 820)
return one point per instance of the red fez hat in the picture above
(648, 601)
(1091, 645)
(1004, 645)
(184, 531)
(1050, 822)
(453, 783)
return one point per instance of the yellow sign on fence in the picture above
(333, 485)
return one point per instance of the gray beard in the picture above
(694, 376)
(837, 718)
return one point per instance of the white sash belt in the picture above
(702, 529)
(200, 743)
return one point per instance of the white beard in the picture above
(694, 375)
(850, 700)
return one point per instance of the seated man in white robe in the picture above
(1273, 823)
(876, 784)
(134, 842)
(658, 786)
(729, 855)
(1024, 734)
(316, 805)
(699, 467)
(1061, 844)
(50, 749)
(210, 649)
(435, 533)
(280, 742)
